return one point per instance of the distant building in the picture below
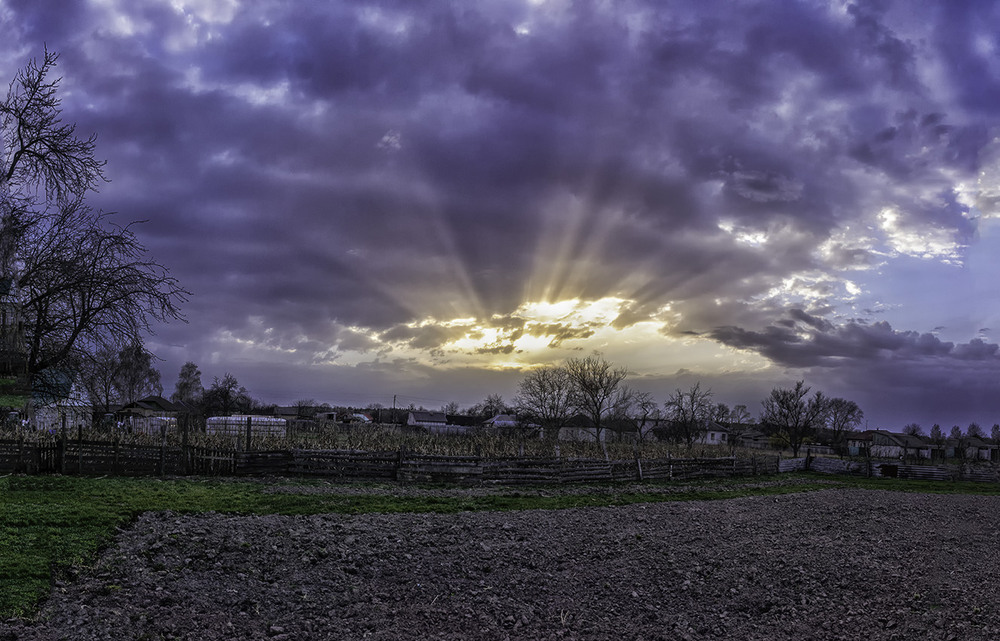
(57, 401)
(151, 406)
(431, 421)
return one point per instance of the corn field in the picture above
(326, 435)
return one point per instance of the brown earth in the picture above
(834, 564)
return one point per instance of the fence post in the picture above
(21, 466)
(185, 455)
(163, 449)
(249, 431)
(638, 462)
(79, 448)
(62, 448)
(115, 464)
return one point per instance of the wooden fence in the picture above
(77, 456)
(893, 469)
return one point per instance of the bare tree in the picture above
(739, 419)
(490, 406)
(646, 413)
(44, 161)
(138, 377)
(975, 430)
(913, 429)
(689, 414)
(842, 417)
(118, 377)
(792, 415)
(544, 396)
(740, 414)
(82, 282)
(188, 389)
(721, 413)
(450, 409)
(226, 396)
(305, 408)
(598, 389)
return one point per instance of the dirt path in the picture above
(836, 564)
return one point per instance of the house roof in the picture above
(902, 440)
(580, 420)
(975, 441)
(153, 403)
(421, 416)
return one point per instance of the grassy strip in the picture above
(49, 524)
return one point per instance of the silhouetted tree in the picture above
(793, 415)
(913, 429)
(118, 377)
(974, 430)
(544, 397)
(188, 389)
(226, 396)
(689, 414)
(598, 390)
(842, 416)
(645, 412)
(490, 406)
(305, 408)
(82, 283)
(958, 440)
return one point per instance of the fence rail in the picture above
(67, 455)
(86, 457)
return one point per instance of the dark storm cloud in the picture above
(353, 175)
(892, 373)
(807, 341)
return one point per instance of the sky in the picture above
(427, 199)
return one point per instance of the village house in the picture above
(434, 422)
(58, 401)
(714, 434)
(579, 428)
(975, 448)
(859, 443)
(501, 420)
(150, 406)
(893, 445)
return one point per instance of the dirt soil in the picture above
(833, 564)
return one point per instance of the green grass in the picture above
(49, 524)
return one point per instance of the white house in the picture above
(57, 400)
(892, 445)
(715, 434)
